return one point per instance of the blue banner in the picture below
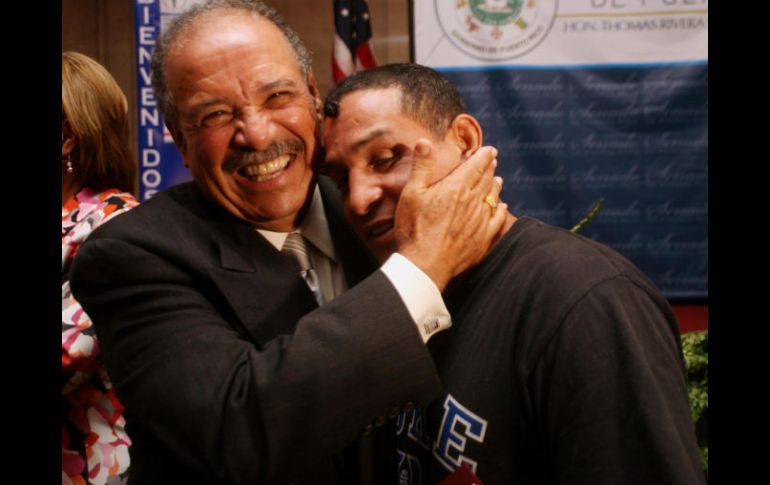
(160, 164)
(591, 99)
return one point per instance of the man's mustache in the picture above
(242, 158)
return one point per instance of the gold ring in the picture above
(490, 201)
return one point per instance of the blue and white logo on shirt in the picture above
(450, 443)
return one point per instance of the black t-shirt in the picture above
(563, 365)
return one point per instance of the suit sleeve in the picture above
(227, 408)
(612, 388)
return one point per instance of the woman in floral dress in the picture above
(98, 177)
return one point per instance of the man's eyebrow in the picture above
(368, 137)
(289, 83)
(198, 107)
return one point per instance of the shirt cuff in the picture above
(419, 294)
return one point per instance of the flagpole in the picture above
(412, 55)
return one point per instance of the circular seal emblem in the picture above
(496, 30)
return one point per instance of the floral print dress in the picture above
(94, 441)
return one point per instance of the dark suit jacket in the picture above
(227, 370)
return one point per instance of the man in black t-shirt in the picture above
(563, 364)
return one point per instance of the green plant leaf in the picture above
(589, 217)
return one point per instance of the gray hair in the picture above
(173, 33)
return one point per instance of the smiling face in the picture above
(369, 153)
(247, 117)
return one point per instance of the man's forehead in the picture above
(222, 27)
(231, 38)
(370, 106)
(375, 97)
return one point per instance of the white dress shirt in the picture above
(418, 292)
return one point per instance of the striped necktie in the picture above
(295, 247)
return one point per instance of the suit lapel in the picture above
(266, 294)
(262, 287)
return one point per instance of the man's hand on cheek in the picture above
(446, 227)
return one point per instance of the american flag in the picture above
(353, 38)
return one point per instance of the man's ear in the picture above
(466, 132)
(179, 140)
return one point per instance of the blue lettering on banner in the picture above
(602, 177)
(626, 85)
(147, 14)
(457, 425)
(673, 278)
(522, 145)
(671, 144)
(668, 211)
(676, 244)
(549, 111)
(554, 179)
(630, 213)
(676, 174)
(632, 246)
(629, 112)
(160, 165)
(554, 214)
(600, 144)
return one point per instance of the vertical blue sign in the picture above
(160, 165)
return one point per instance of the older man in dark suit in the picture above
(228, 370)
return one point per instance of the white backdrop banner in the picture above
(472, 33)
